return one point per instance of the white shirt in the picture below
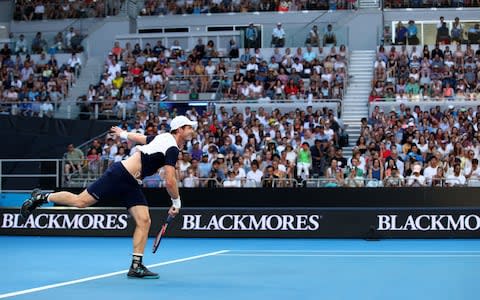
(74, 61)
(255, 176)
(453, 180)
(232, 183)
(46, 107)
(113, 69)
(429, 172)
(298, 67)
(278, 32)
(241, 174)
(420, 180)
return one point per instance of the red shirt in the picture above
(291, 90)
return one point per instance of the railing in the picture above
(93, 109)
(324, 182)
(11, 169)
(387, 106)
(50, 175)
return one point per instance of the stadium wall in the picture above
(26, 137)
(289, 213)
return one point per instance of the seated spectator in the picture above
(395, 179)
(231, 181)
(21, 45)
(74, 160)
(457, 178)
(416, 179)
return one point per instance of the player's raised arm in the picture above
(132, 136)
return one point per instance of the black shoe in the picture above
(37, 198)
(141, 272)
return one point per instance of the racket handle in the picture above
(170, 218)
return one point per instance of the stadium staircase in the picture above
(368, 3)
(90, 74)
(355, 102)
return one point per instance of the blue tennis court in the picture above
(95, 268)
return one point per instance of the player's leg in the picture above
(82, 200)
(38, 198)
(141, 215)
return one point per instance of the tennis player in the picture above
(122, 181)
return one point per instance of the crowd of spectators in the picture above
(30, 10)
(429, 4)
(237, 148)
(412, 147)
(162, 7)
(33, 87)
(138, 78)
(68, 41)
(249, 148)
(426, 73)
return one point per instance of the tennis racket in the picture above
(161, 232)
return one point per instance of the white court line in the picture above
(356, 251)
(350, 255)
(56, 285)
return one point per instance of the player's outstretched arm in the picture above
(132, 136)
(172, 189)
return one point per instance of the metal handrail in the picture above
(320, 182)
(56, 175)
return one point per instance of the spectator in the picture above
(254, 176)
(191, 180)
(329, 37)
(231, 181)
(412, 33)
(416, 179)
(73, 160)
(251, 36)
(395, 179)
(313, 38)
(278, 36)
(21, 45)
(304, 161)
(443, 35)
(457, 178)
(38, 44)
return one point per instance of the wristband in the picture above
(177, 203)
(124, 135)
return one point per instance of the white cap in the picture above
(181, 121)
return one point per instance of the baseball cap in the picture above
(181, 121)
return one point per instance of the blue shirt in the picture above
(412, 30)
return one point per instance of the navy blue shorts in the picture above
(116, 184)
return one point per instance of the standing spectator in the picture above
(329, 37)
(457, 31)
(412, 33)
(233, 51)
(443, 36)
(278, 36)
(68, 38)
(251, 36)
(400, 34)
(313, 38)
